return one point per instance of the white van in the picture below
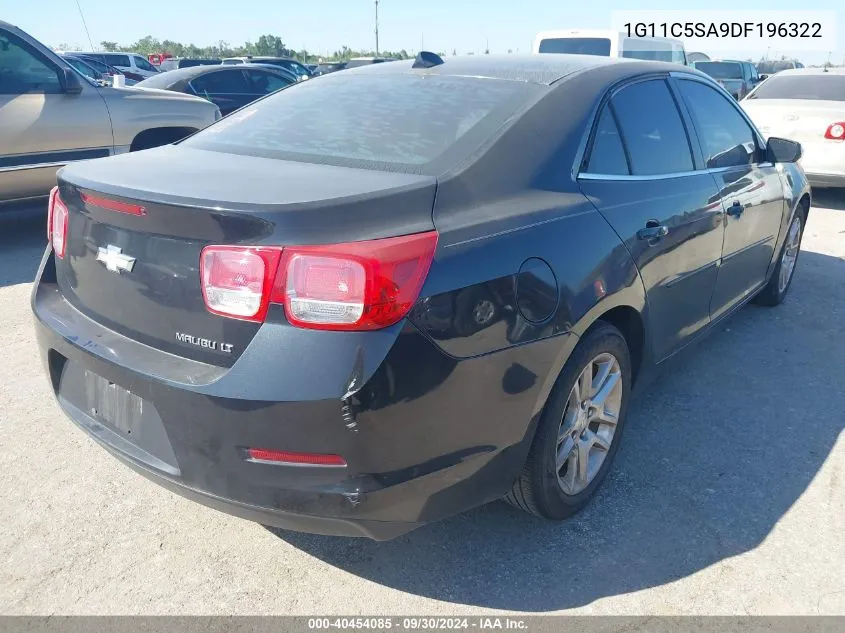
(607, 43)
(127, 62)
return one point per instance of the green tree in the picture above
(109, 46)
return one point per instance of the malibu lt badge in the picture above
(205, 343)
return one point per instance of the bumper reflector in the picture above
(266, 456)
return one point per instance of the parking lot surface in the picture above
(727, 497)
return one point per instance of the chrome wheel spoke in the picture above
(585, 382)
(564, 451)
(582, 465)
(607, 388)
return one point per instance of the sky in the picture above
(322, 26)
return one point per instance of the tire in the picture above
(775, 290)
(539, 490)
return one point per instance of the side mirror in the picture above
(781, 150)
(70, 82)
(763, 77)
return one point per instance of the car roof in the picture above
(540, 69)
(812, 71)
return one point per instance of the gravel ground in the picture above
(727, 497)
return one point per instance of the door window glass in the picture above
(652, 129)
(22, 72)
(607, 155)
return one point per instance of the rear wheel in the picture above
(775, 291)
(580, 429)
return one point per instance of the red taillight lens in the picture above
(354, 286)
(286, 457)
(835, 132)
(57, 223)
(236, 281)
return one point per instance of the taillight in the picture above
(353, 286)
(57, 223)
(835, 132)
(236, 281)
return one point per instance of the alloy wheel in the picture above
(790, 254)
(589, 423)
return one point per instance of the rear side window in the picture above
(264, 83)
(607, 155)
(397, 119)
(577, 46)
(221, 82)
(117, 60)
(726, 138)
(652, 129)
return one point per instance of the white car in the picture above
(608, 43)
(805, 105)
(127, 62)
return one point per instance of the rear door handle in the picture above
(736, 209)
(653, 232)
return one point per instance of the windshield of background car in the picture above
(720, 70)
(371, 120)
(821, 87)
(577, 46)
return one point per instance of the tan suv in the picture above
(51, 115)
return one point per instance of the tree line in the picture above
(266, 45)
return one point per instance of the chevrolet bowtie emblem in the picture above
(114, 259)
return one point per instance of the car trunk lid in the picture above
(138, 223)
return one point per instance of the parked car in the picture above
(125, 62)
(296, 67)
(186, 62)
(53, 115)
(227, 87)
(609, 43)
(130, 78)
(738, 78)
(86, 69)
(772, 66)
(806, 105)
(325, 68)
(355, 62)
(243, 316)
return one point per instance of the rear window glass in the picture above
(823, 87)
(652, 56)
(577, 46)
(607, 155)
(395, 119)
(116, 60)
(720, 70)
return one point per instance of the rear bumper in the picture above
(425, 437)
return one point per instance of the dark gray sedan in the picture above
(390, 294)
(228, 87)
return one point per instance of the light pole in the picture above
(376, 27)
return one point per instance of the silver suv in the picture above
(51, 115)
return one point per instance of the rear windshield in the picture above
(577, 46)
(772, 67)
(822, 87)
(655, 56)
(362, 118)
(720, 70)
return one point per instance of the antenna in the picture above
(82, 15)
(376, 26)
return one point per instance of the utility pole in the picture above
(376, 27)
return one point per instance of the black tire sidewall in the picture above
(553, 501)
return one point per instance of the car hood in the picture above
(155, 93)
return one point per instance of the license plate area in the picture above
(113, 405)
(116, 417)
